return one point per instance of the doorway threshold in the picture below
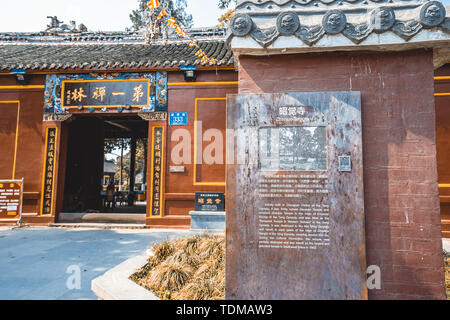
(103, 218)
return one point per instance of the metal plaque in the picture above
(178, 118)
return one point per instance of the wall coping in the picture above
(116, 285)
(207, 213)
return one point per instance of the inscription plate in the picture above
(345, 163)
(295, 217)
(209, 201)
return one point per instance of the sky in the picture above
(96, 15)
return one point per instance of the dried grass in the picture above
(169, 276)
(161, 252)
(194, 269)
(186, 269)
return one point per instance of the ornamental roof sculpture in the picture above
(321, 24)
(57, 26)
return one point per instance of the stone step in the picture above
(99, 225)
(171, 222)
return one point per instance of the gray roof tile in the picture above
(98, 55)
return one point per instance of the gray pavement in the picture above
(34, 261)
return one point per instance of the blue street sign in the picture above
(178, 118)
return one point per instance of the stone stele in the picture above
(295, 200)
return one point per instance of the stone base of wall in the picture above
(207, 221)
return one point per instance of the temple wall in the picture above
(22, 154)
(403, 229)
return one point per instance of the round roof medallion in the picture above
(334, 21)
(382, 19)
(287, 23)
(241, 24)
(432, 14)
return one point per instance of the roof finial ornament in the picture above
(54, 22)
(57, 25)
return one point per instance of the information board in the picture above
(295, 199)
(11, 198)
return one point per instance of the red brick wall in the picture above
(30, 141)
(403, 231)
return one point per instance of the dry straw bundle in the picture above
(186, 269)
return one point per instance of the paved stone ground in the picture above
(34, 261)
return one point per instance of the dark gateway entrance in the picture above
(94, 182)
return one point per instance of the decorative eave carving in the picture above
(311, 20)
(153, 116)
(60, 117)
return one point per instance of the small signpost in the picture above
(178, 118)
(209, 212)
(11, 199)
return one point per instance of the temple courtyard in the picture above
(42, 263)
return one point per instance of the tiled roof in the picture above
(61, 37)
(100, 56)
(101, 50)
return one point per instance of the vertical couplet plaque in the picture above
(295, 217)
(48, 175)
(157, 171)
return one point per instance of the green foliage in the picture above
(115, 144)
(175, 8)
(111, 145)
